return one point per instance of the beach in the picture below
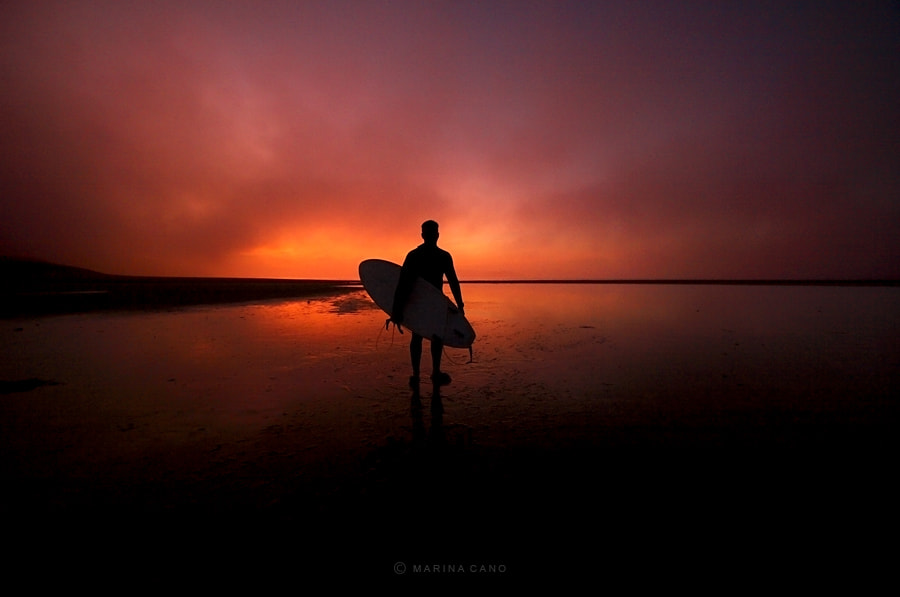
(677, 432)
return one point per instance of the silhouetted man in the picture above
(431, 263)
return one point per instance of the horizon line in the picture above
(6, 259)
(682, 281)
(598, 281)
(732, 281)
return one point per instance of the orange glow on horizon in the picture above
(480, 251)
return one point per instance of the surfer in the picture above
(431, 263)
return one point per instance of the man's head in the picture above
(430, 232)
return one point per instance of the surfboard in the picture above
(429, 312)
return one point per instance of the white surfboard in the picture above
(429, 312)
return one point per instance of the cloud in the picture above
(583, 139)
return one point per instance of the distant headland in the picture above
(32, 287)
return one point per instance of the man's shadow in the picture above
(425, 463)
(423, 437)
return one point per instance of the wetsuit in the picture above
(431, 263)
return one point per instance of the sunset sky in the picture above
(662, 139)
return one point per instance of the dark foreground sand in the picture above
(653, 496)
(674, 504)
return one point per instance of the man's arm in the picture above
(453, 282)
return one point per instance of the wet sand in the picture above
(269, 450)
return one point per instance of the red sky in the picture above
(549, 139)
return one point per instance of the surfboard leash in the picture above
(387, 324)
(449, 358)
(446, 322)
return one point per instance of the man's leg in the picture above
(415, 354)
(438, 376)
(437, 348)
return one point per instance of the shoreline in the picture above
(44, 297)
(35, 288)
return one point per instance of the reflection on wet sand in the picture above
(627, 415)
(435, 434)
